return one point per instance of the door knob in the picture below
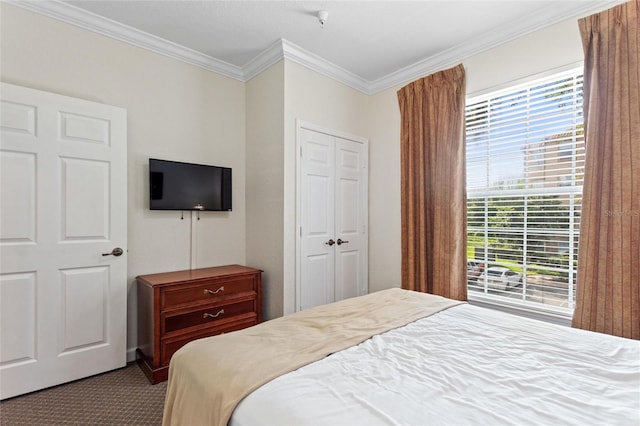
(340, 242)
(330, 242)
(116, 252)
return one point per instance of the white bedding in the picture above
(463, 366)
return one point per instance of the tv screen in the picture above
(186, 186)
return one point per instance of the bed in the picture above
(401, 357)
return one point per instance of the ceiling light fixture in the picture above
(322, 17)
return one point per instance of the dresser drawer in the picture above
(207, 315)
(170, 345)
(206, 292)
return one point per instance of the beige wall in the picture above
(265, 177)
(314, 98)
(275, 99)
(174, 110)
(384, 191)
(548, 49)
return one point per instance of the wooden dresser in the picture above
(175, 308)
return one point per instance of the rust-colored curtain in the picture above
(608, 282)
(433, 184)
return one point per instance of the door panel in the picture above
(85, 199)
(348, 266)
(63, 205)
(18, 218)
(319, 272)
(348, 201)
(18, 118)
(18, 303)
(78, 128)
(318, 203)
(84, 307)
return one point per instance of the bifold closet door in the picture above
(63, 236)
(333, 200)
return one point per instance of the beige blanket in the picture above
(209, 377)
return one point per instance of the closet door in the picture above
(317, 200)
(62, 285)
(332, 195)
(350, 214)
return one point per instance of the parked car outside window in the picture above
(474, 269)
(500, 278)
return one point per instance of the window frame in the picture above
(545, 312)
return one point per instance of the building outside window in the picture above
(525, 165)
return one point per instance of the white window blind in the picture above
(525, 165)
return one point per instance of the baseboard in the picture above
(131, 355)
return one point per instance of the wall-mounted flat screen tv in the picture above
(185, 186)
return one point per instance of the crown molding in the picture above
(269, 56)
(89, 21)
(503, 34)
(310, 60)
(285, 49)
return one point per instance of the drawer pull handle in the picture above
(206, 315)
(207, 291)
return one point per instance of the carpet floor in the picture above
(119, 397)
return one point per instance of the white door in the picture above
(332, 196)
(350, 214)
(317, 201)
(63, 211)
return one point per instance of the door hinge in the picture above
(300, 151)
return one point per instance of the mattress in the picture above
(462, 366)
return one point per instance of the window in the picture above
(525, 164)
(565, 149)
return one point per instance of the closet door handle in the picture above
(330, 242)
(340, 242)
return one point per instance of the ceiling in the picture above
(370, 45)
